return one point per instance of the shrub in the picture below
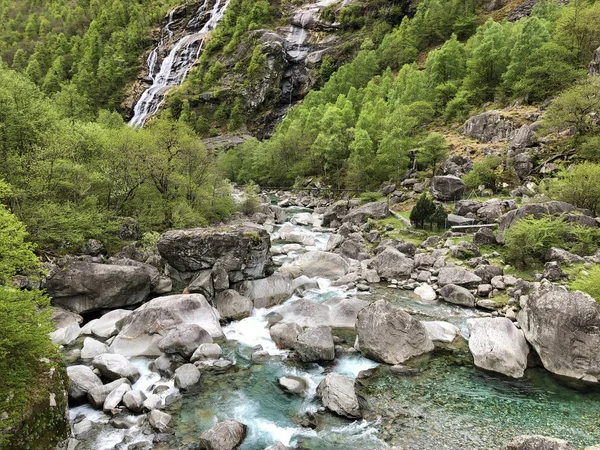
(251, 201)
(590, 283)
(484, 173)
(579, 186)
(367, 197)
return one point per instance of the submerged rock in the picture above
(498, 345)
(388, 334)
(537, 443)
(338, 394)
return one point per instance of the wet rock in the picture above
(207, 351)
(238, 248)
(292, 384)
(114, 366)
(537, 443)
(83, 287)
(269, 291)
(388, 334)
(142, 331)
(317, 264)
(81, 380)
(159, 420)
(226, 435)
(498, 345)
(458, 276)
(447, 188)
(277, 446)
(232, 305)
(97, 396)
(564, 329)
(315, 344)
(338, 394)
(83, 429)
(392, 264)
(457, 295)
(134, 400)
(186, 376)
(442, 332)
(285, 334)
(184, 339)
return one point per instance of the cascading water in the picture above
(176, 65)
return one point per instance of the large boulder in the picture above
(83, 287)
(564, 329)
(338, 312)
(113, 367)
(269, 291)
(315, 344)
(388, 334)
(441, 332)
(537, 210)
(498, 345)
(334, 214)
(113, 399)
(338, 394)
(159, 284)
(141, 331)
(97, 395)
(92, 348)
(242, 250)
(106, 326)
(374, 210)
(81, 380)
(457, 295)
(184, 339)
(447, 187)
(392, 264)
(490, 126)
(537, 443)
(317, 264)
(457, 275)
(186, 376)
(226, 435)
(233, 306)
(285, 334)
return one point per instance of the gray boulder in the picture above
(113, 367)
(315, 344)
(360, 215)
(269, 291)
(392, 264)
(159, 284)
(142, 331)
(97, 395)
(285, 334)
(242, 250)
(92, 348)
(338, 395)
(186, 376)
(106, 326)
(522, 163)
(388, 334)
(441, 332)
(338, 312)
(159, 420)
(486, 272)
(83, 287)
(184, 339)
(457, 295)
(114, 398)
(202, 284)
(81, 380)
(334, 214)
(464, 207)
(564, 329)
(498, 345)
(292, 384)
(522, 138)
(134, 400)
(225, 435)
(207, 351)
(447, 188)
(537, 443)
(317, 264)
(490, 126)
(484, 236)
(233, 306)
(457, 275)
(560, 255)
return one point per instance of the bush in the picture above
(367, 197)
(579, 186)
(484, 173)
(251, 200)
(590, 283)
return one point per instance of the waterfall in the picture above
(176, 65)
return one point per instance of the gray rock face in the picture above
(388, 334)
(81, 380)
(207, 351)
(456, 165)
(457, 275)
(522, 138)
(268, 291)
(106, 326)
(63, 318)
(315, 344)
(114, 366)
(184, 339)
(537, 210)
(392, 264)
(360, 215)
(334, 312)
(114, 398)
(186, 376)
(447, 187)
(498, 345)
(564, 329)
(159, 420)
(285, 334)
(339, 396)
(202, 284)
(484, 236)
(97, 396)
(233, 306)
(143, 330)
(241, 248)
(317, 264)
(457, 295)
(537, 443)
(226, 435)
(442, 332)
(490, 126)
(523, 164)
(84, 287)
(134, 400)
(92, 348)
(159, 284)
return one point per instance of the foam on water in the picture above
(253, 331)
(351, 365)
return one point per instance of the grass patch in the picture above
(501, 300)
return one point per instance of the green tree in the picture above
(432, 151)
(423, 211)
(580, 186)
(574, 108)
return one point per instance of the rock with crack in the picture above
(315, 344)
(338, 394)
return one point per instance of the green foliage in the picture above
(433, 151)
(426, 211)
(579, 185)
(367, 197)
(484, 173)
(588, 283)
(251, 201)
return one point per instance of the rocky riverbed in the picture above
(345, 343)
